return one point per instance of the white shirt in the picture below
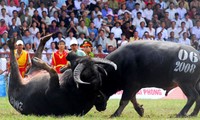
(18, 21)
(10, 10)
(152, 32)
(148, 13)
(111, 42)
(33, 31)
(181, 12)
(57, 39)
(117, 32)
(134, 13)
(36, 41)
(6, 18)
(77, 4)
(185, 42)
(97, 22)
(40, 11)
(178, 22)
(53, 18)
(53, 10)
(164, 33)
(48, 44)
(6, 7)
(195, 30)
(136, 21)
(75, 20)
(67, 41)
(141, 31)
(163, 5)
(175, 30)
(80, 41)
(181, 34)
(188, 23)
(31, 11)
(171, 13)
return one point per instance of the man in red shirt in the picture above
(59, 57)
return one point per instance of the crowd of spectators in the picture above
(107, 24)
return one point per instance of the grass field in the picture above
(154, 110)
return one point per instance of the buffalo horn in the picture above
(102, 69)
(105, 61)
(77, 72)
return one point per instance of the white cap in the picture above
(99, 13)
(73, 42)
(19, 42)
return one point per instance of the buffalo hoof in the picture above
(140, 110)
(181, 115)
(193, 114)
(114, 115)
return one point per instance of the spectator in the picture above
(21, 9)
(111, 41)
(105, 28)
(92, 37)
(146, 36)
(36, 18)
(4, 6)
(141, 29)
(106, 10)
(15, 15)
(158, 11)
(136, 10)
(70, 5)
(99, 50)
(82, 28)
(81, 38)
(174, 29)
(59, 38)
(163, 31)
(27, 38)
(69, 38)
(102, 39)
(45, 18)
(122, 11)
(85, 18)
(185, 40)
(194, 42)
(126, 17)
(87, 48)
(113, 4)
(156, 22)
(148, 12)
(196, 30)
(73, 18)
(43, 29)
(34, 29)
(24, 27)
(4, 51)
(138, 19)
(109, 20)
(31, 9)
(53, 27)
(185, 4)
(166, 20)
(4, 16)
(123, 41)
(74, 48)
(62, 28)
(11, 8)
(159, 37)
(181, 10)
(28, 48)
(110, 49)
(41, 9)
(151, 30)
(55, 17)
(172, 37)
(98, 20)
(72, 28)
(64, 18)
(3, 26)
(171, 10)
(14, 28)
(117, 31)
(52, 49)
(23, 58)
(4, 38)
(188, 21)
(192, 13)
(163, 4)
(26, 17)
(59, 57)
(177, 20)
(53, 8)
(182, 29)
(195, 3)
(93, 29)
(127, 30)
(36, 41)
(130, 5)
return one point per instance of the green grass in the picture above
(154, 110)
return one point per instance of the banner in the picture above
(154, 93)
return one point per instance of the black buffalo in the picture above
(153, 64)
(43, 92)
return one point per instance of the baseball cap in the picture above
(19, 42)
(72, 42)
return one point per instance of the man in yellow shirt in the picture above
(23, 58)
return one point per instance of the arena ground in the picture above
(154, 110)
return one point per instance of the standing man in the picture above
(74, 48)
(23, 58)
(59, 57)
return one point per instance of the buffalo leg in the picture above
(192, 96)
(54, 79)
(130, 91)
(139, 109)
(197, 107)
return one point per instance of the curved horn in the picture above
(105, 61)
(76, 74)
(102, 69)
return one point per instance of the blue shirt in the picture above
(130, 5)
(28, 39)
(93, 30)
